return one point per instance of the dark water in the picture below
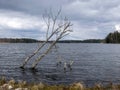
(93, 63)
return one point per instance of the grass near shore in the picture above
(23, 85)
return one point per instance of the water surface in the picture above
(93, 63)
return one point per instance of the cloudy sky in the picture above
(91, 18)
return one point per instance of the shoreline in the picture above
(23, 85)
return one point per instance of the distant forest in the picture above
(83, 41)
(27, 40)
(110, 38)
(16, 40)
(113, 37)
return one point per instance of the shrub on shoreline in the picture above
(23, 85)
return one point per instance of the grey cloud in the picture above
(31, 6)
(94, 18)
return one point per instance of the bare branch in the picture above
(55, 19)
(36, 51)
(58, 29)
(62, 33)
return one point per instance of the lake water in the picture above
(93, 63)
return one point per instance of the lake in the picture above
(93, 63)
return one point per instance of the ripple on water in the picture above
(92, 63)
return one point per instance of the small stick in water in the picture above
(65, 66)
(70, 65)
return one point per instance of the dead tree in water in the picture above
(60, 34)
(53, 28)
(47, 21)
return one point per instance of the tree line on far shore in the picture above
(17, 40)
(113, 37)
(27, 40)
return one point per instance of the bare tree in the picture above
(60, 29)
(48, 23)
(63, 32)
